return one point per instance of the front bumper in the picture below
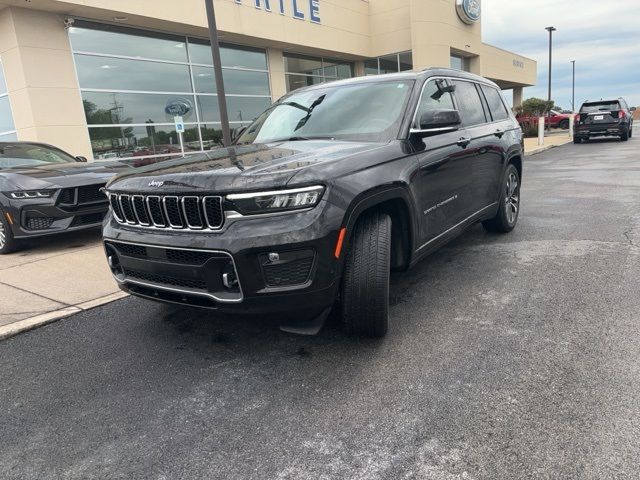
(269, 264)
(42, 217)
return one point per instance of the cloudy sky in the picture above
(603, 36)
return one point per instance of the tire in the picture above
(577, 140)
(7, 243)
(564, 124)
(625, 136)
(509, 203)
(365, 284)
(631, 133)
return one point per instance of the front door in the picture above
(445, 171)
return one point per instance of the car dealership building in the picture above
(104, 79)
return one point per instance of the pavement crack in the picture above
(37, 294)
(628, 235)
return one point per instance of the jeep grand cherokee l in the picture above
(328, 190)
(609, 118)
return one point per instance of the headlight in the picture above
(276, 201)
(31, 194)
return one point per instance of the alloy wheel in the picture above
(3, 236)
(512, 198)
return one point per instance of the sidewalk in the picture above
(53, 278)
(555, 139)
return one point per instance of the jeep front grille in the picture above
(190, 212)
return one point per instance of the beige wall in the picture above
(43, 89)
(41, 80)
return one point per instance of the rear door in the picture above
(485, 149)
(445, 169)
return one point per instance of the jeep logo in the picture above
(155, 183)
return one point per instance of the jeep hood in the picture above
(239, 168)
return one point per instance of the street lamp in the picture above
(573, 87)
(550, 30)
(217, 69)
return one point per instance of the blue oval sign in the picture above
(178, 107)
(469, 11)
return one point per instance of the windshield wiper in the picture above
(299, 138)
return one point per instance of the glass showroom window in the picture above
(460, 63)
(133, 82)
(7, 129)
(302, 71)
(394, 63)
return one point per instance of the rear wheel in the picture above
(509, 208)
(365, 285)
(625, 136)
(577, 140)
(564, 124)
(7, 243)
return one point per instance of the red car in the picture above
(555, 119)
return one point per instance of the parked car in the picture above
(555, 119)
(327, 191)
(44, 191)
(610, 118)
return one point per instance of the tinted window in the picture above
(231, 56)
(114, 142)
(124, 74)
(360, 112)
(496, 105)
(15, 155)
(236, 82)
(114, 41)
(469, 104)
(433, 98)
(6, 122)
(600, 107)
(105, 108)
(406, 61)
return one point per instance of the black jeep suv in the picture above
(604, 118)
(326, 192)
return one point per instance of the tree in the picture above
(535, 107)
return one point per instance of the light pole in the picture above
(573, 87)
(217, 69)
(550, 30)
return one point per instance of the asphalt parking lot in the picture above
(511, 356)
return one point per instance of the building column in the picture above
(41, 80)
(359, 68)
(517, 97)
(276, 73)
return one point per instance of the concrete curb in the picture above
(37, 321)
(544, 149)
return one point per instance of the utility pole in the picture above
(573, 87)
(217, 69)
(550, 30)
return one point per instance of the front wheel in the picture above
(625, 136)
(509, 208)
(564, 124)
(365, 285)
(7, 243)
(577, 140)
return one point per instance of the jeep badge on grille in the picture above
(155, 183)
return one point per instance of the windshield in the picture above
(600, 107)
(369, 111)
(24, 154)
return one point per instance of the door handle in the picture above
(464, 142)
(499, 133)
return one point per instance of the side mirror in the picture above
(81, 159)
(238, 133)
(632, 109)
(438, 121)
